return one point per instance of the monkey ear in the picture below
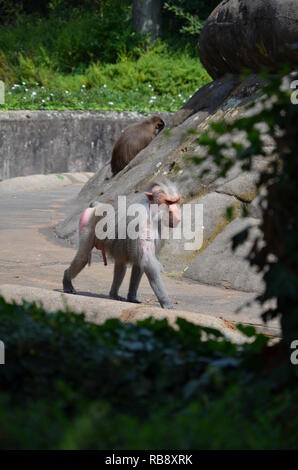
(149, 196)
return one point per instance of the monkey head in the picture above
(158, 124)
(167, 200)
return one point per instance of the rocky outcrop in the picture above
(218, 264)
(250, 34)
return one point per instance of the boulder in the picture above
(215, 205)
(243, 186)
(219, 265)
(249, 34)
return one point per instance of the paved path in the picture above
(30, 256)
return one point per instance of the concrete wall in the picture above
(41, 142)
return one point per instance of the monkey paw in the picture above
(68, 287)
(69, 290)
(117, 297)
(133, 300)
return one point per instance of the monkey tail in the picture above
(90, 258)
(104, 256)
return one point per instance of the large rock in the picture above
(219, 265)
(215, 205)
(249, 34)
(98, 310)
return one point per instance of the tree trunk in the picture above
(146, 17)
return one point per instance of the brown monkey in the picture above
(134, 139)
(163, 202)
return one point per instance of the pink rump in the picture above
(85, 218)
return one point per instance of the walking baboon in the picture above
(163, 201)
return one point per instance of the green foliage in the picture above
(69, 42)
(189, 15)
(193, 24)
(71, 384)
(202, 424)
(85, 55)
(157, 81)
(275, 252)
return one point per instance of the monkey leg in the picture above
(135, 279)
(80, 260)
(152, 271)
(119, 273)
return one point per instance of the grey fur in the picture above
(142, 254)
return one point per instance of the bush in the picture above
(157, 81)
(72, 41)
(86, 56)
(68, 383)
(188, 16)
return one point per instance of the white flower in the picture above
(111, 103)
(33, 94)
(66, 92)
(104, 85)
(43, 101)
(51, 94)
(26, 89)
(83, 86)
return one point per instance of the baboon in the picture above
(163, 201)
(134, 139)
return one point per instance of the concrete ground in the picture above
(30, 255)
